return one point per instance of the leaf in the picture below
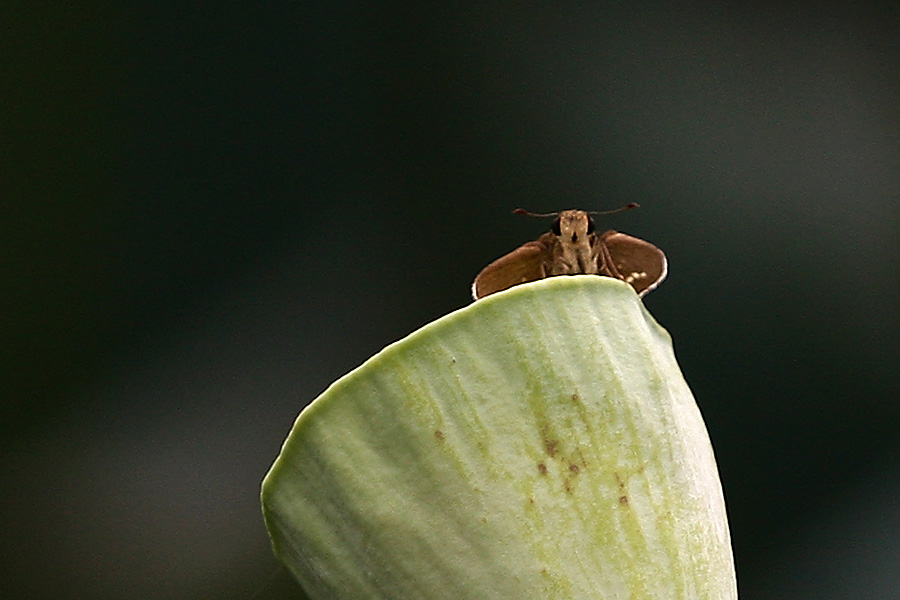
(539, 443)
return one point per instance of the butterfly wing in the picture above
(525, 263)
(637, 261)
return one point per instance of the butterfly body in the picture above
(572, 248)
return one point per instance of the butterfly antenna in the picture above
(528, 213)
(615, 210)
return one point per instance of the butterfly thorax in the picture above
(575, 250)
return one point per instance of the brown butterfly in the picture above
(572, 248)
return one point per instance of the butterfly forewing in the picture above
(639, 262)
(526, 263)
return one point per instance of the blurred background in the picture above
(212, 211)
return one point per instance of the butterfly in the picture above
(572, 247)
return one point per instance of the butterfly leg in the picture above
(606, 266)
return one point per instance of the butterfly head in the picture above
(573, 226)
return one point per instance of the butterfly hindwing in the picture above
(637, 261)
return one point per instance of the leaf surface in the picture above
(540, 443)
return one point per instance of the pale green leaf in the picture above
(538, 444)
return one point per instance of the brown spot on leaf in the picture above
(623, 499)
(542, 468)
(552, 447)
(439, 434)
(573, 468)
(581, 457)
(576, 397)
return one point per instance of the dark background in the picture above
(210, 212)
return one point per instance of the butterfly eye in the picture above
(590, 225)
(555, 228)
